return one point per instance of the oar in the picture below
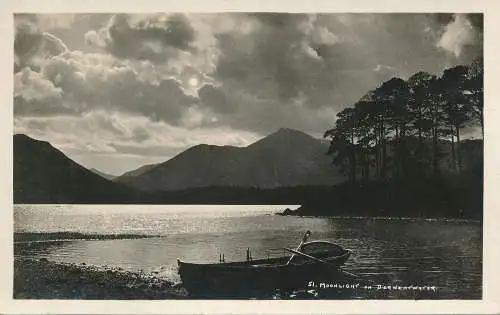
(322, 261)
(304, 239)
(306, 255)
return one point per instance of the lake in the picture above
(446, 254)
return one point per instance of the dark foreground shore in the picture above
(43, 279)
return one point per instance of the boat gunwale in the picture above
(268, 262)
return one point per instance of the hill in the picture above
(283, 159)
(43, 174)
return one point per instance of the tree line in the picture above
(398, 129)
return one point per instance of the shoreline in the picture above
(44, 279)
(22, 237)
(293, 213)
(47, 280)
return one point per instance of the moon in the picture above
(193, 82)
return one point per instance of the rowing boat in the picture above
(311, 260)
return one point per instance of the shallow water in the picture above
(445, 254)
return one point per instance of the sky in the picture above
(117, 91)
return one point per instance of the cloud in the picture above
(460, 34)
(120, 142)
(271, 59)
(96, 38)
(99, 82)
(119, 130)
(145, 37)
(35, 95)
(215, 98)
(26, 42)
(32, 46)
(289, 66)
(252, 72)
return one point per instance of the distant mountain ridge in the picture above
(138, 171)
(102, 174)
(44, 175)
(283, 159)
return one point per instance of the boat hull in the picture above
(250, 278)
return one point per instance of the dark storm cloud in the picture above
(27, 39)
(278, 20)
(292, 56)
(165, 102)
(73, 31)
(32, 46)
(215, 98)
(80, 83)
(463, 37)
(477, 20)
(444, 19)
(254, 72)
(441, 18)
(268, 60)
(34, 95)
(470, 23)
(292, 66)
(154, 38)
(27, 34)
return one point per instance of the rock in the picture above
(287, 211)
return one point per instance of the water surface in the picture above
(446, 254)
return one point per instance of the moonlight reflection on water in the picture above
(408, 252)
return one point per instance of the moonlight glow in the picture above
(193, 82)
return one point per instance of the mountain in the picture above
(285, 158)
(139, 171)
(103, 175)
(43, 174)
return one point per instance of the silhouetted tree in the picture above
(419, 107)
(394, 95)
(425, 107)
(455, 103)
(342, 144)
(474, 91)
